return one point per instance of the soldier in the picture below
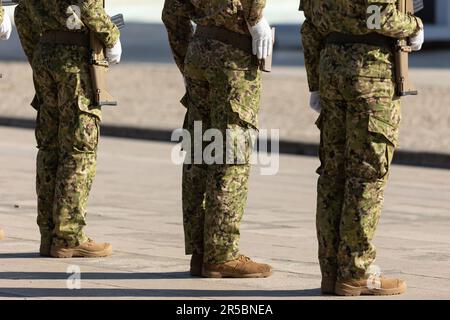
(349, 65)
(5, 32)
(223, 84)
(55, 37)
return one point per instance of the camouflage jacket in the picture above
(2, 12)
(178, 16)
(350, 17)
(34, 17)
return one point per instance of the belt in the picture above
(65, 38)
(239, 41)
(373, 39)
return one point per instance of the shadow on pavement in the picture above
(96, 275)
(152, 293)
(21, 255)
(402, 157)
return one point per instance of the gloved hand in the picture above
(5, 28)
(262, 39)
(417, 41)
(314, 101)
(114, 54)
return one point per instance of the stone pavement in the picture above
(136, 206)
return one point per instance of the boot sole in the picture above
(350, 291)
(80, 253)
(218, 275)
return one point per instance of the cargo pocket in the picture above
(77, 87)
(245, 94)
(385, 135)
(86, 133)
(385, 129)
(85, 95)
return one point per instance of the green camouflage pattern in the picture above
(359, 131)
(67, 132)
(214, 199)
(233, 15)
(67, 128)
(359, 126)
(40, 16)
(223, 87)
(349, 17)
(223, 92)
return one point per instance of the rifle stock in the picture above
(402, 51)
(99, 67)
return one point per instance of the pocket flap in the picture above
(384, 128)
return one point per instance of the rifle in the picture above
(266, 64)
(99, 66)
(98, 63)
(402, 51)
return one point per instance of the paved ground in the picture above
(135, 205)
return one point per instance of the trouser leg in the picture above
(78, 139)
(330, 188)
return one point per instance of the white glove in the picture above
(417, 41)
(5, 27)
(114, 54)
(262, 39)
(314, 101)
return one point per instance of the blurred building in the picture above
(436, 15)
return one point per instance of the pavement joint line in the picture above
(401, 157)
(424, 276)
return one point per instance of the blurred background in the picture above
(149, 86)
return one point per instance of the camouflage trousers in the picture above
(223, 92)
(359, 132)
(67, 133)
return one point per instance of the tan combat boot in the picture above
(196, 265)
(2, 234)
(243, 267)
(89, 249)
(379, 287)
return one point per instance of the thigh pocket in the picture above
(383, 143)
(86, 133)
(244, 94)
(77, 86)
(386, 122)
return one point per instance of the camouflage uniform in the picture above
(223, 92)
(67, 129)
(359, 126)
